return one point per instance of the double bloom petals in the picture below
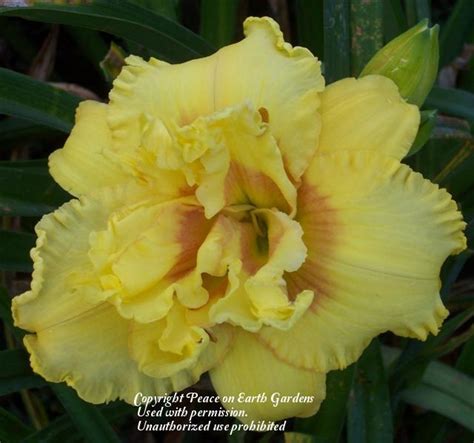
(235, 216)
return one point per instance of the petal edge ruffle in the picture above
(376, 240)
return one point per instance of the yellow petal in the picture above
(367, 114)
(89, 352)
(250, 369)
(63, 274)
(79, 338)
(283, 80)
(257, 293)
(236, 161)
(376, 238)
(145, 251)
(174, 348)
(81, 166)
(261, 68)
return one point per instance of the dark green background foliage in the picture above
(50, 58)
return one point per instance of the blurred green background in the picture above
(54, 54)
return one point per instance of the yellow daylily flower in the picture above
(233, 215)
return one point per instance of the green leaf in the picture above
(367, 32)
(309, 26)
(447, 391)
(466, 75)
(447, 158)
(165, 37)
(13, 130)
(63, 429)
(410, 365)
(427, 124)
(455, 342)
(12, 430)
(456, 175)
(434, 342)
(88, 419)
(442, 389)
(422, 10)
(166, 8)
(239, 435)
(337, 40)
(394, 20)
(6, 313)
(5, 308)
(34, 192)
(452, 101)
(455, 32)
(451, 275)
(370, 414)
(410, 11)
(464, 362)
(435, 399)
(16, 373)
(444, 343)
(15, 251)
(90, 43)
(327, 424)
(21, 96)
(39, 165)
(218, 21)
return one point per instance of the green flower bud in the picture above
(410, 60)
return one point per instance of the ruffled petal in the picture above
(63, 275)
(144, 254)
(96, 364)
(234, 160)
(77, 337)
(262, 68)
(367, 114)
(257, 255)
(81, 166)
(251, 369)
(174, 348)
(376, 237)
